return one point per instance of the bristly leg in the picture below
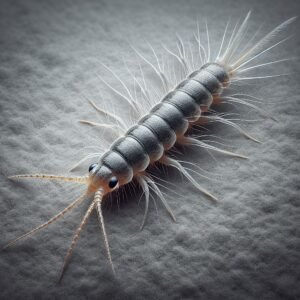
(229, 123)
(194, 142)
(142, 182)
(115, 129)
(148, 184)
(110, 116)
(175, 164)
(157, 191)
(232, 99)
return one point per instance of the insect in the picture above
(149, 141)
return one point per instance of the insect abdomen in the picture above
(172, 115)
(160, 127)
(148, 139)
(158, 131)
(134, 153)
(218, 71)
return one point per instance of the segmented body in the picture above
(158, 131)
(167, 122)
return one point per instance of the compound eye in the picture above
(113, 182)
(92, 166)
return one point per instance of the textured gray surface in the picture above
(245, 247)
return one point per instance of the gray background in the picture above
(245, 247)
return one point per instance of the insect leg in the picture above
(227, 122)
(145, 188)
(108, 114)
(241, 101)
(114, 128)
(175, 164)
(157, 191)
(194, 142)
